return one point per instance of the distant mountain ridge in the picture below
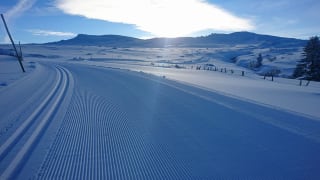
(212, 40)
(99, 40)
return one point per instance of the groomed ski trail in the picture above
(98, 141)
(46, 111)
(121, 125)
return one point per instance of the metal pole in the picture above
(14, 46)
(20, 51)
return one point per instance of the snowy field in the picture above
(180, 64)
(147, 113)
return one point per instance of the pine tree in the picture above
(312, 59)
(309, 67)
(300, 70)
(259, 61)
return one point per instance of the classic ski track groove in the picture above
(7, 145)
(58, 92)
(97, 141)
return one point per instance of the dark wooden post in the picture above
(14, 46)
(20, 51)
(308, 82)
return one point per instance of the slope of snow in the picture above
(10, 70)
(279, 60)
(81, 114)
(282, 93)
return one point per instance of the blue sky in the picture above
(37, 21)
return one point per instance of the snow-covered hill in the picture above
(236, 58)
(280, 55)
(212, 40)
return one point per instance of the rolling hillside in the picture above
(213, 40)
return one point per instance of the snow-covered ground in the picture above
(10, 70)
(110, 113)
(180, 64)
(282, 61)
(281, 93)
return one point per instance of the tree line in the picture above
(308, 67)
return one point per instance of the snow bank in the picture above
(282, 93)
(10, 70)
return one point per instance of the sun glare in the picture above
(164, 18)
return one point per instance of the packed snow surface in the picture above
(76, 114)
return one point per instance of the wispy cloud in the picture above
(39, 32)
(15, 12)
(19, 9)
(159, 17)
